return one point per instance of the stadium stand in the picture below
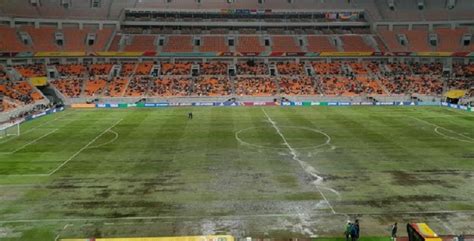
(256, 86)
(355, 43)
(212, 86)
(297, 85)
(249, 44)
(285, 44)
(178, 44)
(31, 70)
(183, 68)
(42, 38)
(142, 43)
(9, 40)
(244, 68)
(214, 44)
(95, 87)
(70, 87)
(213, 68)
(320, 44)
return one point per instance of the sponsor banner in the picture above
(460, 54)
(119, 54)
(384, 103)
(47, 112)
(462, 107)
(181, 104)
(344, 103)
(203, 103)
(347, 54)
(434, 54)
(367, 103)
(264, 103)
(161, 104)
(7, 54)
(332, 103)
(101, 105)
(306, 103)
(430, 103)
(112, 105)
(39, 81)
(444, 104)
(60, 54)
(247, 54)
(123, 105)
(83, 105)
(149, 53)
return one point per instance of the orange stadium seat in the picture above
(142, 43)
(284, 44)
(9, 40)
(181, 43)
(95, 87)
(214, 44)
(249, 44)
(355, 43)
(320, 44)
(43, 38)
(144, 68)
(74, 39)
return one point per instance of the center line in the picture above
(306, 167)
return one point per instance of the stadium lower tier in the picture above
(183, 79)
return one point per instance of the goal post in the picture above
(10, 129)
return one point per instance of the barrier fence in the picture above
(282, 104)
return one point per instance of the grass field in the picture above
(283, 172)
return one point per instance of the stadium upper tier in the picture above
(402, 10)
(27, 38)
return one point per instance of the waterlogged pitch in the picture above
(280, 172)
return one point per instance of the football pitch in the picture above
(245, 171)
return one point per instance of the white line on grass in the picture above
(306, 167)
(31, 142)
(36, 127)
(106, 143)
(437, 127)
(83, 148)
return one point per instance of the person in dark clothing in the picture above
(354, 232)
(394, 232)
(357, 230)
(190, 115)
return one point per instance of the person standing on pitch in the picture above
(356, 227)
(347, 230)
(394, 232)
(190, 115)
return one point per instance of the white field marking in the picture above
(446, 226)
(139, 218)
(31, 142)
(450, 137)
(36, 127)
(327, 142)
(306, 167)
(66, 161)
(106, 143)
(83, 148)
(440, 127)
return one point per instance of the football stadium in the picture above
(236, 120)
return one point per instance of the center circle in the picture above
(295, 136)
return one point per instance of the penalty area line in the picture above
(83, 148)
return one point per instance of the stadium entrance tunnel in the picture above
(297, 137)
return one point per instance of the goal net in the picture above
(10, 129)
